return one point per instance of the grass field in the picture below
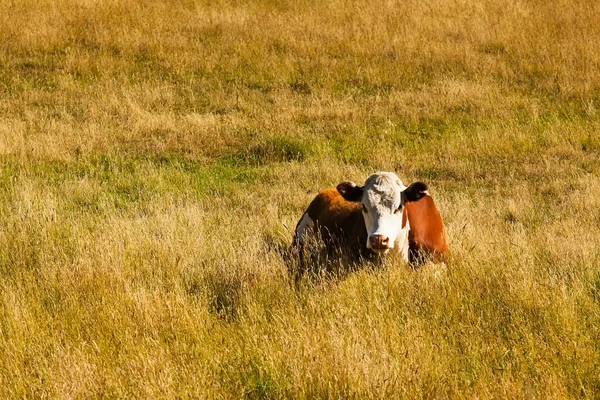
(156, 155)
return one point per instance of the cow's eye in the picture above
(365, 209)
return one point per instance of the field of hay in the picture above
(156, 155)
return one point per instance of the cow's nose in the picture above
(379, 242)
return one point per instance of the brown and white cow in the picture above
(382, 215)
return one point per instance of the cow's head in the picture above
(382, 200)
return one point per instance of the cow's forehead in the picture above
(383, 188)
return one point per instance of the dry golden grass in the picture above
(155, 157)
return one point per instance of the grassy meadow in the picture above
(155, 157)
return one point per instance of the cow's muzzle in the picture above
(379, 243)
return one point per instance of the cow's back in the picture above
(427, 234)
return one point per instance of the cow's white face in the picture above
(382, 201)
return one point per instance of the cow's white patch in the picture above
(402, 244)
(382, 204)
(304, 229)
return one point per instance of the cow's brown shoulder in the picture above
(427, 231)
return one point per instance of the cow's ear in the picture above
(415, 191)
(350, 191)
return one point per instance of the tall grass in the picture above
(155, 157)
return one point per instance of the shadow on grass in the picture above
(315, 262)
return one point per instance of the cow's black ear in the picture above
(415, 191)
(350, 191)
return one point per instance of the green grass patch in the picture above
(275, 150)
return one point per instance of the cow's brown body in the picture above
(336, 220)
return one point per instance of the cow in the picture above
(381, 216)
